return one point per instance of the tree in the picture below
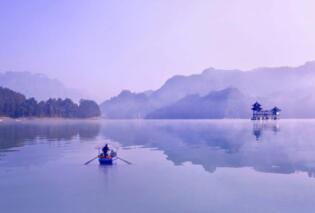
(10, 102)
(70, 109)
(28, 108)
(88, 109)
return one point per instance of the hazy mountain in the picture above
(290, 88)
(257, 82)
(38, 86)
(127, 105)
(227, 103)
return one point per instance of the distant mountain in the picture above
(257, 82)
(127, 105)
(290, 88)
(227, 103)
(38, 86)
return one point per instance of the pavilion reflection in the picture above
(221, 144)
(259, 127)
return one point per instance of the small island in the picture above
(16, 105)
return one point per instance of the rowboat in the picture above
(107, 160)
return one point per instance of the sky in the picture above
(104, 46)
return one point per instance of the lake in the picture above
(177, 166)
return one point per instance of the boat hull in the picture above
(105, 161)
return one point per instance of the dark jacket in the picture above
(105, 149)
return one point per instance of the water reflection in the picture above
(211, 144)
(16, 134)
(211, 154)
(216, 144)
(260, 126)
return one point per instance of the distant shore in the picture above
(9, 119)
(3, 119)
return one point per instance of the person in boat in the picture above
(105, 150)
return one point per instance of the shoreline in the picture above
(5, 119)
(9, 119)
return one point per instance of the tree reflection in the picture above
(15, 134)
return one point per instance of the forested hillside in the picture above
(15, 105)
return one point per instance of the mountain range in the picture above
(38, 86)
(227, 103)
(217, 93)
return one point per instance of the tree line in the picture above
(15, 105)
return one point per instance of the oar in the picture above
(128, 162)
(87, 162)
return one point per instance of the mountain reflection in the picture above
(211, 144)
(215, 144)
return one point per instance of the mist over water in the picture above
(179, 165)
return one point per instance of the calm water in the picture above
(177, 166)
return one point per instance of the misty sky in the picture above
(103, 46)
